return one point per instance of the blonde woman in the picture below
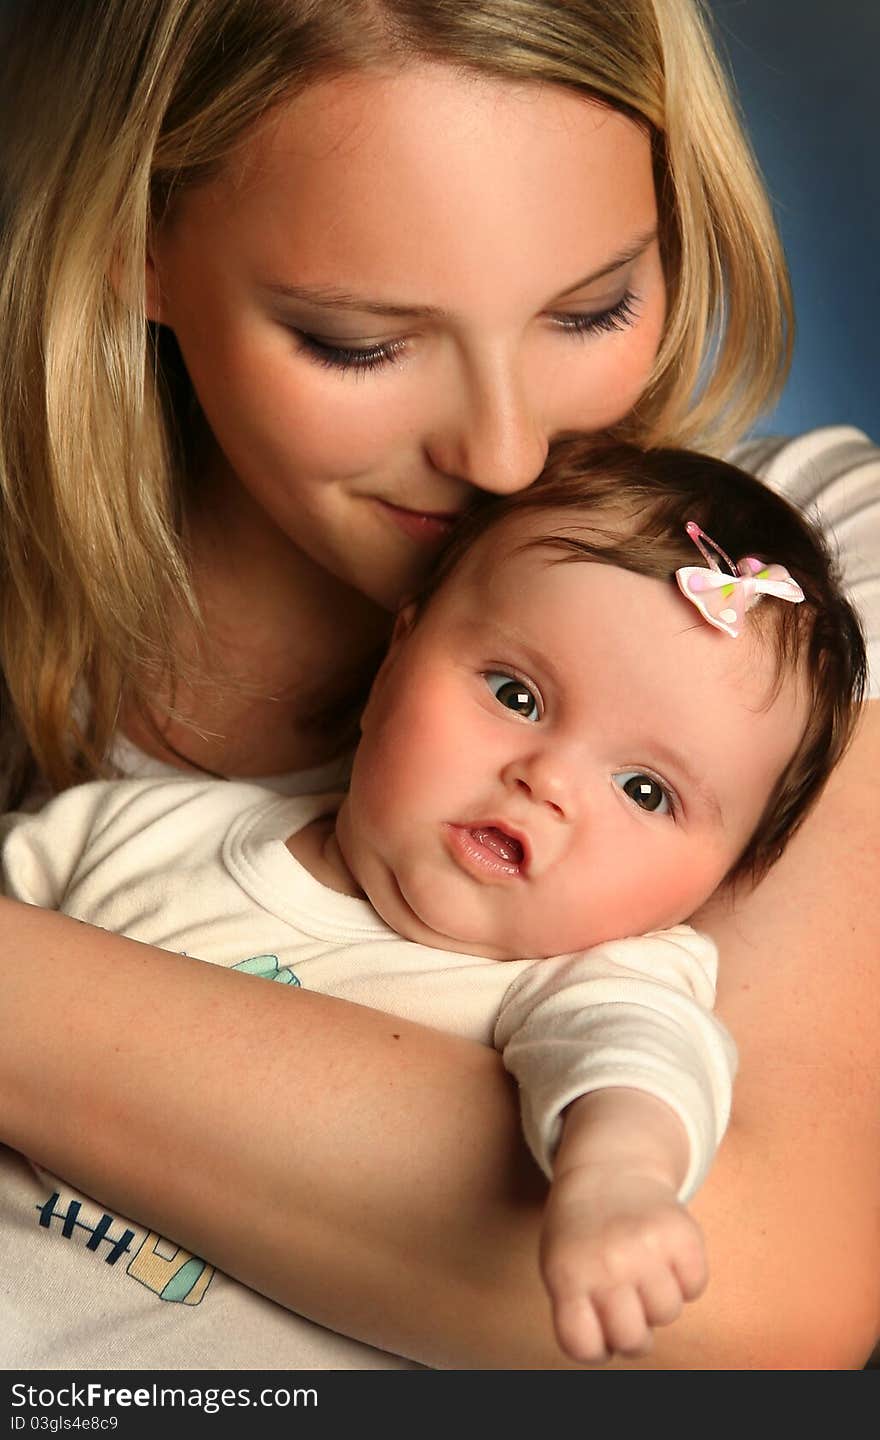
(286, 287)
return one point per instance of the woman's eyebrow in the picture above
(329, 297)
(624, 257)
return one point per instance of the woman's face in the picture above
(402, 287)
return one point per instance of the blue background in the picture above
(808, 76)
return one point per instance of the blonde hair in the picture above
(111, 108)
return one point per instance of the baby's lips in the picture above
(489, 849)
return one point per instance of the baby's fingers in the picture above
(622, 1316)
(578, 1330)
(662, 1296)
(590, 1328)
(679, 1271)
(690, 1264)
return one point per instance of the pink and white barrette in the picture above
(723, 599)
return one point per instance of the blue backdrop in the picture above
(808, 75)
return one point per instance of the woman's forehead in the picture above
(432, 185)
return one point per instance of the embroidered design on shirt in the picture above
(98, 1234)
(176, 1275)
(268, 968)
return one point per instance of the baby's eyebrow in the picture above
(675, 760)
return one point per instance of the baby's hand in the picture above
(619, 1254)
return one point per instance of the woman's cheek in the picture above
(336, 424)
(289, 404)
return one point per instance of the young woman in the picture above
(385, 252)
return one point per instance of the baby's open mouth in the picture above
(489, 853)
(499, 842)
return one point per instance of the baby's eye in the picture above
(645, 791)
(514, 694)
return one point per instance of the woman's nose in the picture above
(495, 438)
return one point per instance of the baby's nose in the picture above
(546, 780)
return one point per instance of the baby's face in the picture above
(557, 754)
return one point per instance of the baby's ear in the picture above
(403, 625)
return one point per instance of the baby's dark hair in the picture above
(629, 508)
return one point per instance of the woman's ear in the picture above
(127, 289)
(152, 290)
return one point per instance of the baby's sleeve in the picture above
(633, 1013)
(39, 852)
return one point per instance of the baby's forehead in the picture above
(510, 562)
(523, 541)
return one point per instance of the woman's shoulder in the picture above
(836, 467)
(833, 475)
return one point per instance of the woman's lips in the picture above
(488, 851)
(430, 528)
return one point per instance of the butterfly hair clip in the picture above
(723, 599)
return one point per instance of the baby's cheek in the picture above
(431, 720)
(412, 755)
(670, 892)
(625, 899)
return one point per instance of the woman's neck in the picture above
(291, 646)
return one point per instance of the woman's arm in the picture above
(394, 1198)
(376, 1156)
(790, 1208)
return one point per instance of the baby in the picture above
(582, 728)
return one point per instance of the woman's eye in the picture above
(616, 317)
(348, 357)
(514, 694)
(645, 791)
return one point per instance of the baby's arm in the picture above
(619, 1251)
(625, 1081)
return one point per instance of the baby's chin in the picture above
(411, 926)
(420, 916)
(401, 918)
(428, 925)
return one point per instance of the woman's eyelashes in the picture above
(518, 696)
(335, 356)
(348, 357)
(597, 322)
(647, 792)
